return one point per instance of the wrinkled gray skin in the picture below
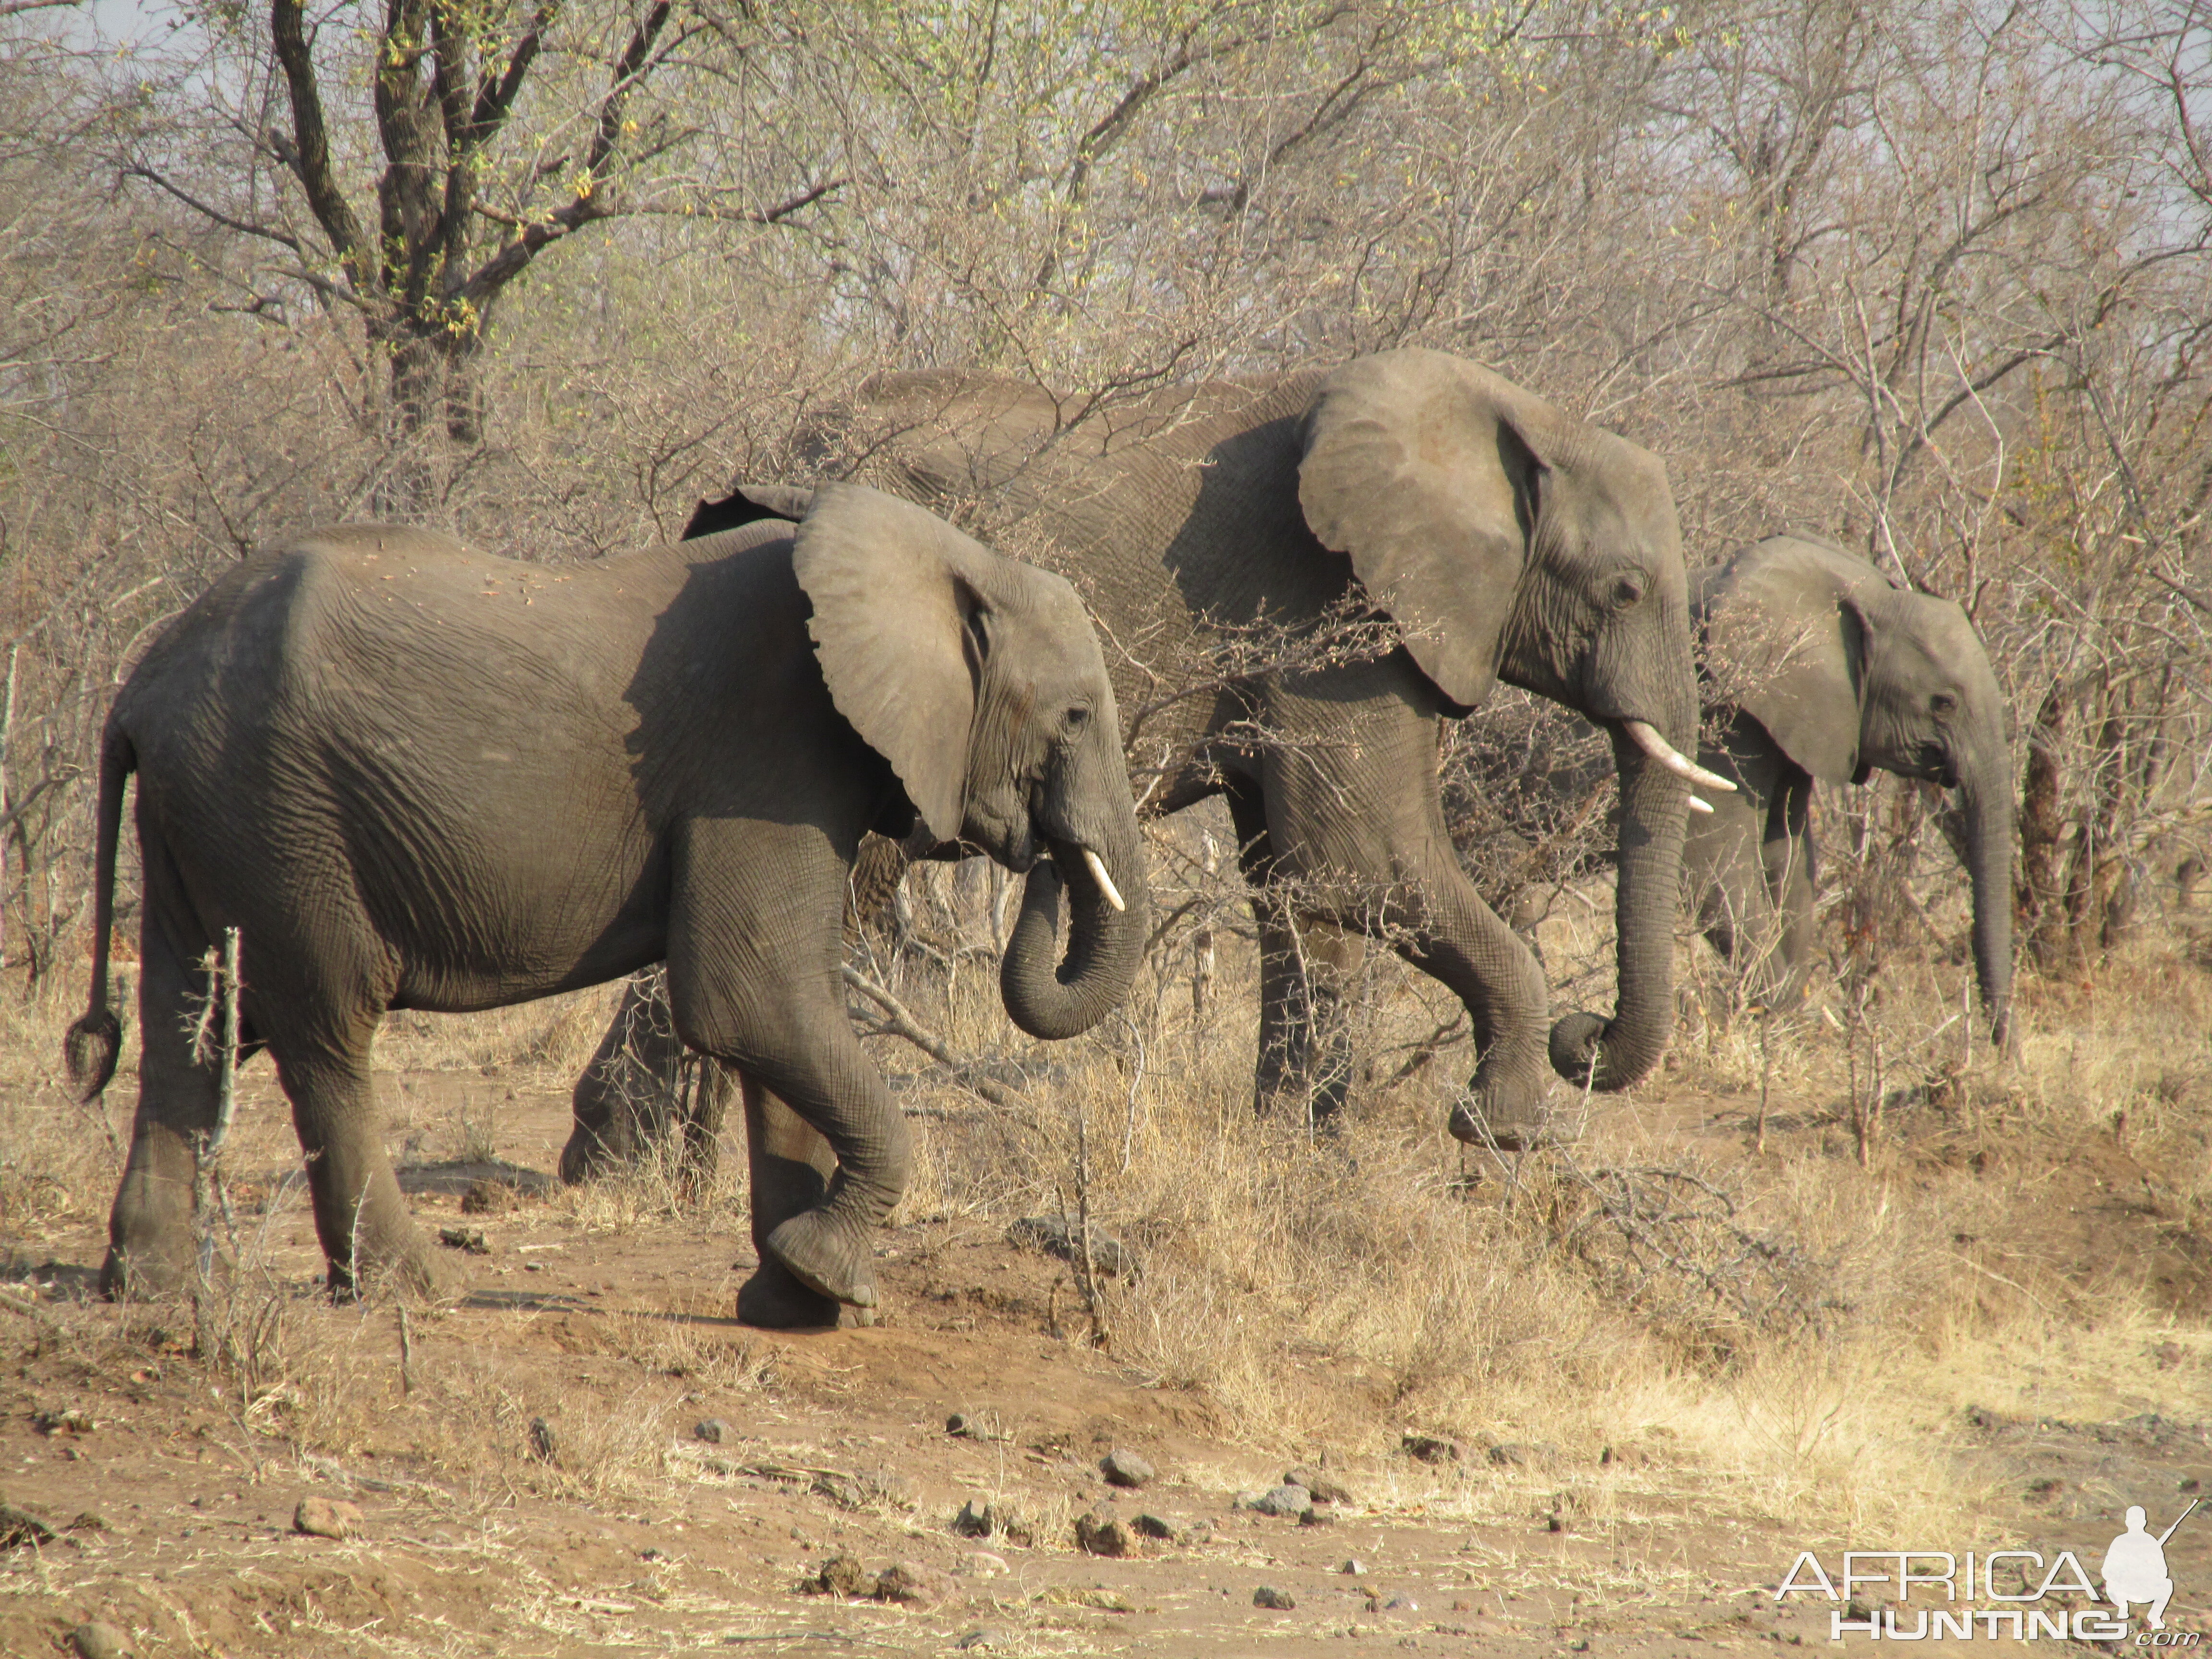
(1823, 670)
(1506, 541)
(414, 777)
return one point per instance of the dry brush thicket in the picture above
(1927, 277)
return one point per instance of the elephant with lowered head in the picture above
(1823, 669)
(1493, 537)
(413, 777)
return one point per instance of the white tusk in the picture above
(1697, 805)
(1097, 868)
(1649, 740)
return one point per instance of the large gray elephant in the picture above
(414, 777)
(1822, 668)
(1219, 531)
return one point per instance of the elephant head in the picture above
(1511, 542)
(980, 681)
(1848, 670)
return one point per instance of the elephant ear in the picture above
(895, 593)
(747, 504)
(1425, 469)
(1786, 641)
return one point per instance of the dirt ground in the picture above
(173, 1498)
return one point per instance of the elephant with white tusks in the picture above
(1823, 668)
(1486, 536)
(415, 777)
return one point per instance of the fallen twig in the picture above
(900, 1022)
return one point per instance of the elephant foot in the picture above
(773, 1299)
(412, 1272)
(1502, 1128)
(829, 1255)
(142, 1275)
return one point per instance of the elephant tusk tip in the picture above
(1096, 866)
(1697, 805)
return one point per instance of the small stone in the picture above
(533, 1266)
(1401, 1604)
(1060, 1235)
(469, 1240)
(651, 1553)
(544, 1441)
(89, 1521)
(1317, 1518)
(1353, 1567)
(712, 1430)
(1277, 1500)
(1158, 1526)
(842, 1575)
(64, 1420)
(1269, 1596)
(327, 1518)
(1552, 1522)
(984, 1565)
(975, 1425)
(1324, 1488)
(1102, 1537)
(1433, 1449)
(18, 1527)
(911, 1584)
(1506, 1455)
(977, 1640)
(1125, 1468)
(99, 1639)
(974, 1519)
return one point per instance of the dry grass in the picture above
(1796, 1338)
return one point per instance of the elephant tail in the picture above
(95, 1041)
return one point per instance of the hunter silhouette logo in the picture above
(2024, 1597)
(2133, 1567)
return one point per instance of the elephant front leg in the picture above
(792, 1167)
(754, 950)
(1789, 857)
(1452, 935)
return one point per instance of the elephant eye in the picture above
(1076, 718)
(1627, 589)
(1943, 702)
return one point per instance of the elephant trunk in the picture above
(1586, 1049)
(1986, 803)
(1104, 943)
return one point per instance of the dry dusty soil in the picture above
(171, 1487)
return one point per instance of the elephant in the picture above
(415, 777)
(1221, 530)
(1818, 666)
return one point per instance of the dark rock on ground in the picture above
(842, 1575)
(469, 1240)
(1326, 1489)
(20, 1527)
(712, 1430)
(99, 1639)
(1433, 1449)
(1269, 1596)
(1285, 1499)
(1125, 1468)
(912, 1584)
(544, 1441)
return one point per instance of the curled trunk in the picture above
(1066, 999)
(1586, 1049)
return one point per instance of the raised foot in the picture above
(827, 1254)
(773, 1299)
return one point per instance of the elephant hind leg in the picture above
(367, 1234)
(150, 1244)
